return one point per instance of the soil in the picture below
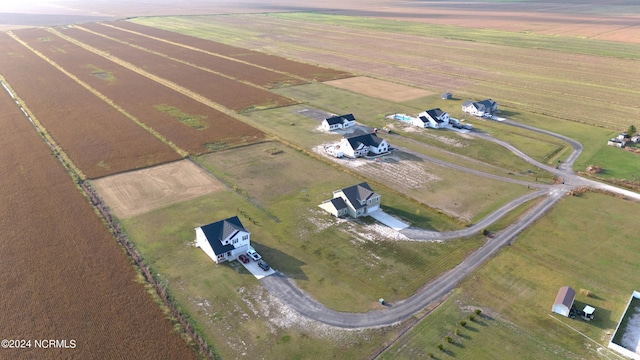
(379, 89)
(138, 192)
(99, 139)
(65, 276)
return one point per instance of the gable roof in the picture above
(223, 229)
(339, 119)
(565, 296)
(366, 139)
(357, 193)
(338, 203)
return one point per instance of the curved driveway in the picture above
(286, 290)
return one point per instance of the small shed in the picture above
(446, 96)
(564, 301)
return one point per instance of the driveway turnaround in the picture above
(388, 220)
(253, 268)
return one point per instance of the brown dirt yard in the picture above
(379, 89)
(140, 191)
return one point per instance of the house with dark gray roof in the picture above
(480, 108)
(338, 122)
(355, 201)
(224, 240)
(436, 118)
(362, 145)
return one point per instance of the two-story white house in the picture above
(434, 118)
(355, 201)
(224, 240)
(480, 108)
(338, 122)
(361, 145)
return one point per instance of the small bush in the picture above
(431, 356)
(463, 323)
(456, 331)
(477, 311)
(440, 347)
(448, 339)
(471, 317)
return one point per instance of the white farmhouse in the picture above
(361, 145)
(355, 201)
(436, 118)
(223, 240)
(480, 108)
(338, 122)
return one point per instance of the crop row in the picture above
(65, 278)
(232, 68)
(99, 139)
(227, 92)
(190, 125)
(307, 71)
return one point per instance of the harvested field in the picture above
(379, 89)
(136, 192)
(65, 277)
(306, 71)
(99, 139)
(219, 89)
(145, 99)
(571, 86)
(223, 65)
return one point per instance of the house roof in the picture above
(223, 229)
(357, 193)
(339, 119)
(565, 296)
(481, 105)
(338, 203)
(435, 114)
(424, 119)
(366, 139)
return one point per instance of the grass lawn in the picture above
(574, 245)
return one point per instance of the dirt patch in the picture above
(379, 89)
(140, 191)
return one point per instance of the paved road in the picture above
(285, 289)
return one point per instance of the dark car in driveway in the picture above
(263, 265)
(244, 258)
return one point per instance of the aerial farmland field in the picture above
(499, 217)
(65, 278)
(98, 138)
(222, 90)
(192, 126)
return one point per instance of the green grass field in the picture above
(574, 245)
(586, 242)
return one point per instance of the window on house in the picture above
(235, 241)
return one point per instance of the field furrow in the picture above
(307, 71)
(99, 139)
(64, 276)
(224, 91)
(234, 69)
(189, 124)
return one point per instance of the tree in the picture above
(631, 130)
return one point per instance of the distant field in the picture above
(513, 68)
(379, 89)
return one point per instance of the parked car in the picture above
(244, 258)
(457, 125)
(253, 254)
(263, 265)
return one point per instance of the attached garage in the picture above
(564, 301)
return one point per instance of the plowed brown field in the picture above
(99, 139)
(64, 276)
(232, 68)
(141, 97)
(224, 91)
(306, 71)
